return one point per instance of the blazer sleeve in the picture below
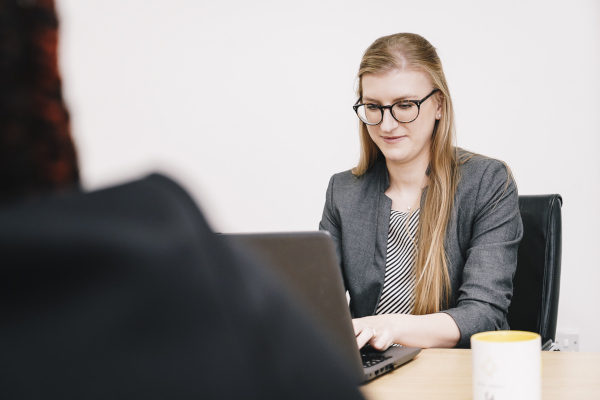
(330, 221)
(495, 230)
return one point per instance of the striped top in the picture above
(397, 296)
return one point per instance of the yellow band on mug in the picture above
(505, 336)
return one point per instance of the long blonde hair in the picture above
(397, 52)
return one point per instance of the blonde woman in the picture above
(426, 233)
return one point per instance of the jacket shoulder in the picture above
(484, 181)
(477, 167)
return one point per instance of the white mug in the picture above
(507, 365)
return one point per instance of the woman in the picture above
(426, 233)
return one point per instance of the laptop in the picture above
(307, 263)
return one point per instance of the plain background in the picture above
(248, 104)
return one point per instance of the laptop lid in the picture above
(308, 263)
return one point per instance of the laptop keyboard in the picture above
(370, 359)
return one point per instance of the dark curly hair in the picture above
(37, 154)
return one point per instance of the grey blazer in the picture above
(482, 239)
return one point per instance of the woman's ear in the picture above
(439, 98)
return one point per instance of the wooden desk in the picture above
(446, 374)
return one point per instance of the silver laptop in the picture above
(307, 263)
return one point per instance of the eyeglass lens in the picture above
(403, 112)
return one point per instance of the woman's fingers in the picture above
(364, 337)
(381, 341)
(368, 331)
(364, 333)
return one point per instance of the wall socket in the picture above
(567, 340)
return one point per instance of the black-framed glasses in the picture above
(403, 111)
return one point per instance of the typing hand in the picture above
(373, 330)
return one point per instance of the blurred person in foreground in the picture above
(125, 292)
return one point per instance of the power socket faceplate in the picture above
(567, 340)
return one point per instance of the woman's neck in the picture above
(406, 185)
(408, 176)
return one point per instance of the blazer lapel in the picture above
(374, 244)
(383, 225)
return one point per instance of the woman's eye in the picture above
(372, 107)
(405, 106)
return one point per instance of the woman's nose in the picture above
(388, 123)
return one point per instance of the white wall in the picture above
(229, 97)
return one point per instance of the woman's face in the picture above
(402, 143)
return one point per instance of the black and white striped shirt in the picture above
(399, 284)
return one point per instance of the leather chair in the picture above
(534, 305)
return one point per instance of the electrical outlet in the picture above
(567, 340)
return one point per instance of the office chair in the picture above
(534, 306)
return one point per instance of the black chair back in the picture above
(534, 305)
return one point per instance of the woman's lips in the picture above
(392, 139)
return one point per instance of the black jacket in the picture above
(125, 293)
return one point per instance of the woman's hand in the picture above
(381, 331)
(376, 330)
